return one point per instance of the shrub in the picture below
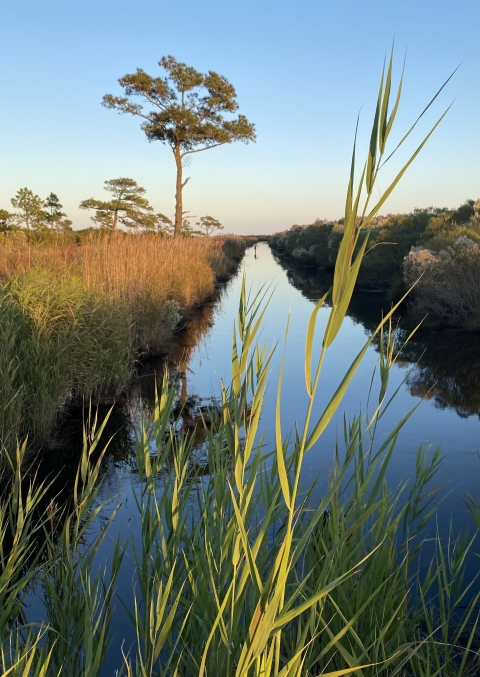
(448, 287)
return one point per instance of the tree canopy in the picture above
(30, 209)
(127, 206)
(186, 110)
(7, 220)
(208, 224)
(54, 217)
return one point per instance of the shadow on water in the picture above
(446, 363)
(444, 367)
(58, 464)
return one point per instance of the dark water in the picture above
(443, 368)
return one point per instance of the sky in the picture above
(302, 71)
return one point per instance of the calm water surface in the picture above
(448, 375)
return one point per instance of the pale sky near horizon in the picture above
(302, 72)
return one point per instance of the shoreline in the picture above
(79, 321)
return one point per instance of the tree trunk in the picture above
(178, 195)
(115, 218)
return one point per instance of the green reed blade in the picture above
(372, 152)
(309, 343)
(349, 200)
(252, 567)
(289, 616)
(384, 110)
(340, 392)
(395, 109)
(279, 445)
(420, 116)
(346, 249)
(389, 190)
(338, 313)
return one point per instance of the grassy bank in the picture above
(441, 245)
(76, 317)
(237, 570)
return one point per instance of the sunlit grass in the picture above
(239, 571)
(75, 317)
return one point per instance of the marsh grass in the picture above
(240, 572)
(75, 317)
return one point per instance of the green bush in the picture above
(447, 290)
(390, 239)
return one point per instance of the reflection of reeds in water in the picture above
(262, 580)
(189, 337)
(191, 411)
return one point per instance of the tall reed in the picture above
(74, 317)
(237, 570)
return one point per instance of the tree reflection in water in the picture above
(448, 370)
(446, 362)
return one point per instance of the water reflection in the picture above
(201, 356)
(446, 362)
(189, 337)
(58, 464)
(447, 370)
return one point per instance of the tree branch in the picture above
(199, 150)
(154, 101)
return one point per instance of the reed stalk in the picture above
(238, 571)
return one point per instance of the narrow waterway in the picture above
(439, 369)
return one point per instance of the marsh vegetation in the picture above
(238, 565)
(77, 317)
(437, 249)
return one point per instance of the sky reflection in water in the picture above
(449, 417)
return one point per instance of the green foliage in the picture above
(164, 224)
(7, 220)
(390, 239)
(34, 214)
(448, 289)
(464, 213)
(209, 225)
(238, 572)
(186, 110)
(58, 343)
(55, 218)
(188, 230)
(30, 208)
(75, 317)
(44, 546)
(128, 206)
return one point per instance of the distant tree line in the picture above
(127, 206)
(390, 239)
(35, 214)
(438, 249)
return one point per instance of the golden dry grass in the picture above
(125, 266)
(75, 316)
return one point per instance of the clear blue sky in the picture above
(302, 71)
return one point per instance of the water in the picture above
(449, 414)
